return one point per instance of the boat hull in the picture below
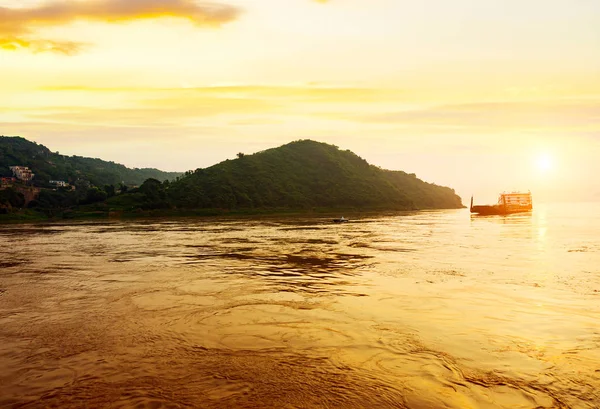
(497, 210)
(508, 203)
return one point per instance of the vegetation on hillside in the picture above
(47, 165)
(306, 174)
(10, 199)
(302, 175)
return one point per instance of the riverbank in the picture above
(99, 213)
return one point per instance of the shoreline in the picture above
(31, 216)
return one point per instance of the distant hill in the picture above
(306, 174)
(48, 166)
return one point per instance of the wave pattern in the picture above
(414, 310)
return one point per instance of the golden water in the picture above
(415, 310)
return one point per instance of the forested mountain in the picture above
(302, 175)
(306, 174)
(48, 166)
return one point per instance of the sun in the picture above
(544, 163)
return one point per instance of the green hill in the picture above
(48, 166)
(306, 174)
(302, 175)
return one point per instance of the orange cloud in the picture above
(39, 46)
(18, 24)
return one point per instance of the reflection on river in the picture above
(415, 310)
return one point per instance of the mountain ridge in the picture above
(304, 174)
(48, 165)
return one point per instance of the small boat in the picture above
(508, 203)
(340, 220)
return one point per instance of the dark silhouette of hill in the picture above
(306, 174)
(49, 165)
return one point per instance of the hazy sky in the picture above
(479, 95)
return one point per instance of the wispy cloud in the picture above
(554, 115)
(18, 25)
(175, 106)
(287, 93)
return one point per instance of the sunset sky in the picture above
(479, 95)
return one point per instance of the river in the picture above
(420, 310)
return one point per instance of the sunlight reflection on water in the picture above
(410, 310)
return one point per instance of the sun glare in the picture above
(545, 163)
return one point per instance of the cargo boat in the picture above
(508, 203)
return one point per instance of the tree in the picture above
(155, 195)
(94, 195)
(11, 198)
(110, 190)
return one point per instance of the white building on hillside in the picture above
(22, 173)
(59, 183)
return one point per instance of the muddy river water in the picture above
(407, 310)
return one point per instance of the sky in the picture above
(483, 96)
